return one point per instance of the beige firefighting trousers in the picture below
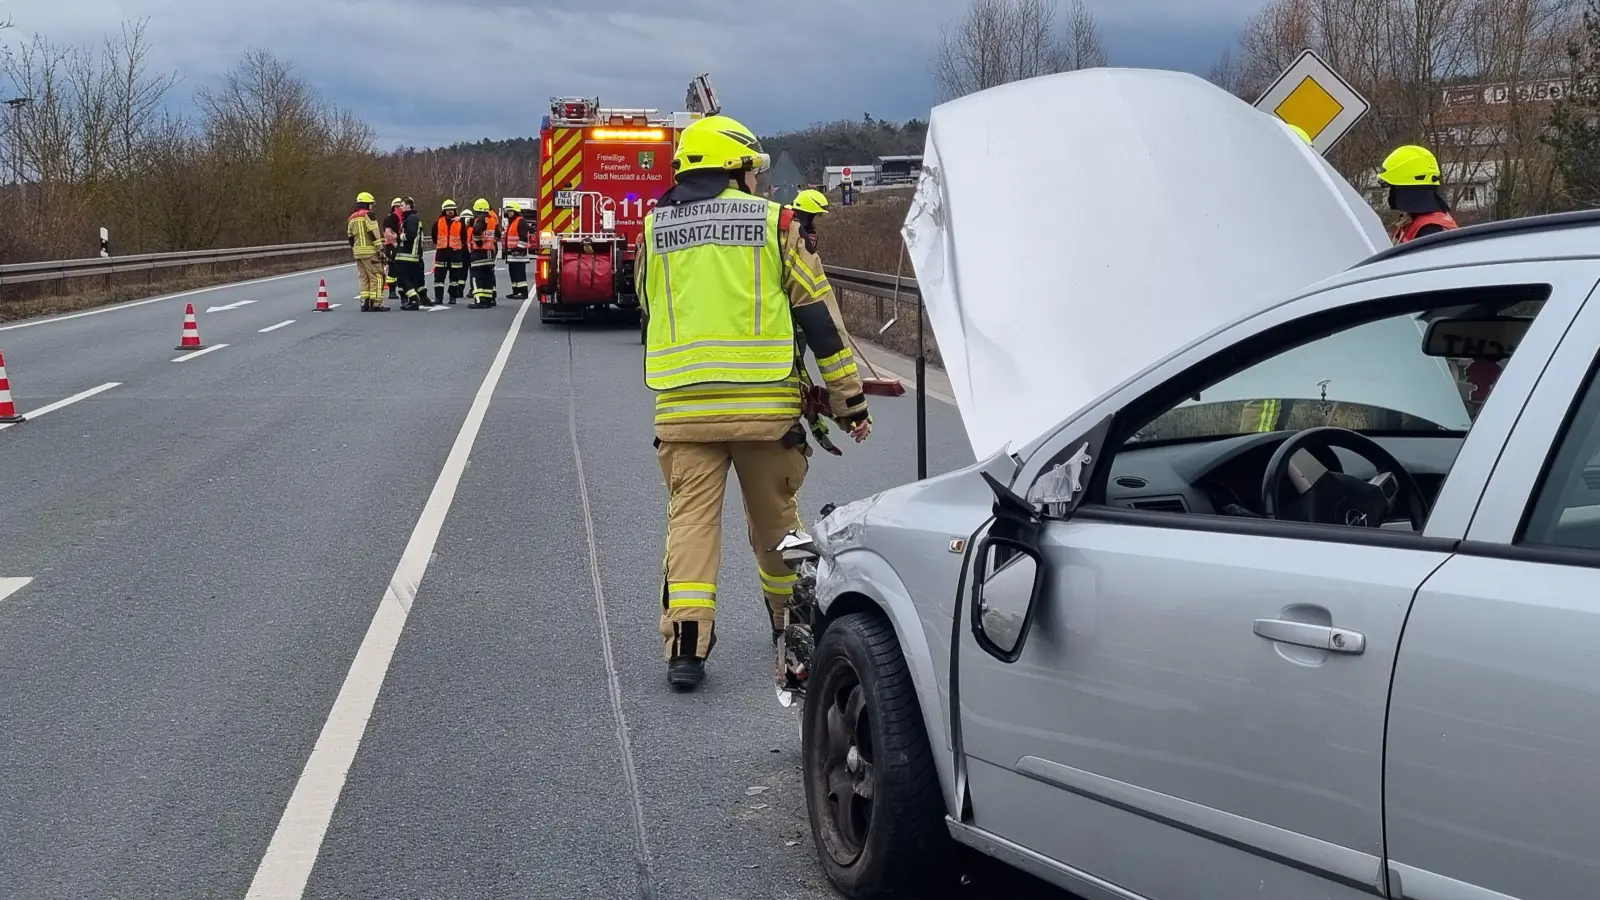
(770, 475)
(369, 269)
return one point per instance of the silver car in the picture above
(1291, 596)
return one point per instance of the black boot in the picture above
(438, 295)
(685, 673)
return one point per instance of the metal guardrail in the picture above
(876, 284)
(59, 269)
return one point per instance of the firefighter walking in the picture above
(409, 278)
(1412, 174)
(518, 240)
(449, 255)
(362, 231)
(480, 243)
(722, 359)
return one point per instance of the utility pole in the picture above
(16, 104)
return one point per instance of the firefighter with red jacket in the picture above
(449, 254)
(391, 237)
(518, 242)
(1412, 174)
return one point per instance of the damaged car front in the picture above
(1062, 260)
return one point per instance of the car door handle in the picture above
(1305, 634)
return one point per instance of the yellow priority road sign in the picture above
(1313, 96)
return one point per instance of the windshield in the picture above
(1371, 377)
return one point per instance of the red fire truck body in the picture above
(601, 170)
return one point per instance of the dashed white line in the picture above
(59, 404)
(9, 586)
(188, 356)
(334, 305)
(287, 864)
(131, 305)
(277, 326)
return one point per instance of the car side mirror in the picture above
(1006, 587)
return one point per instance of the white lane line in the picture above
(298, 838)
(9, 586)
(277, 326)
(436, 308)
(59, 404)
(130, 305)
(333, 305)
(188, 356)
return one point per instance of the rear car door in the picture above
(1163, 732)
(1493, 753)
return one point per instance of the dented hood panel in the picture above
(1069, 231)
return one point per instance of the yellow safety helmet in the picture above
(448, 204)
(480, 205)
(364, 197)
(1304, 136)
(514, 206)
(719, 142)
(811, 201)
(1410, 165)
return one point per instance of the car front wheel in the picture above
(872, 792)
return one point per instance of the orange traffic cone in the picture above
(322, 296)
(8, 410)
(191, 331)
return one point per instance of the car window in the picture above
(1369, 377)
(1566, 509)
(1406, 374)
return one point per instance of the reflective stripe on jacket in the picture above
(720, 314)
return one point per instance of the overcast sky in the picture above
(776, 65)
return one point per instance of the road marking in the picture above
(437, 308)
(59, 404)
(277, 326)
(333, 305)
(188, 356)
(9, 586)
(630, 772)
(287, 864)
(134, 303)
(234, 305)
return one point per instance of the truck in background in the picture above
(601, 170)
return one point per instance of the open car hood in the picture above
(1070, 231)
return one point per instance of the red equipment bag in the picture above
(587, 273)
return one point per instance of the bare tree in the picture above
(1083, 45)
(1001, 41)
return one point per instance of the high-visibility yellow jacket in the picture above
(362, 231)
(725, 281)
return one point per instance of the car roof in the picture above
(1556, 236)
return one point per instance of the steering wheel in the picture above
(1337, 498)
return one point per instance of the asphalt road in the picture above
(225, 555)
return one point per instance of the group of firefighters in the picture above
(389, 255)
(726, 361)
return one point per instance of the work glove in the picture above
(859, 424)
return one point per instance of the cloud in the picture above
(426, 72)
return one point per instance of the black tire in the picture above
(906, 846)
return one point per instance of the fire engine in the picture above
(600, 171)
